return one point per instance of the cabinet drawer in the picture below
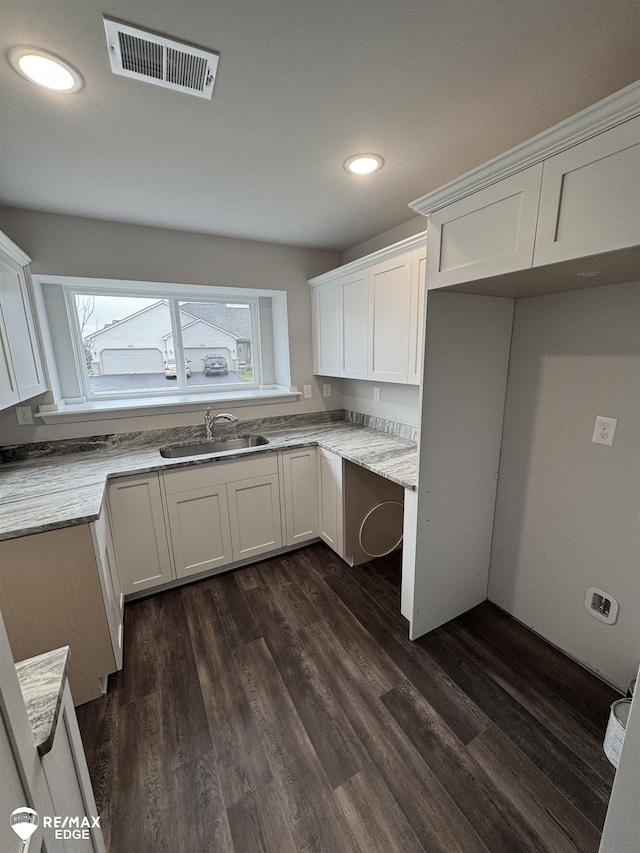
(217, 473)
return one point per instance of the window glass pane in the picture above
(127, 343)
(217, 342)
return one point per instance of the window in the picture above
(133, 345)
(136, 347)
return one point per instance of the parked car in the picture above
(215, 365)
(170, 368)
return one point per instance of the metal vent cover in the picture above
(162, 61)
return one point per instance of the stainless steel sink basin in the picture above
(218, 445)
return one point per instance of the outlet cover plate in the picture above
(611, 616)
(604, 430)
(24, 415)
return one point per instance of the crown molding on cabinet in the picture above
(14, 252)
(617, 108)
(388, 252)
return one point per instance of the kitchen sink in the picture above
(216, 445)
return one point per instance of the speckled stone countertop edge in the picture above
(42, 680)
(80, 504)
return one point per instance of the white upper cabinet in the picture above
(571, 192)
(355, 325)
(379, 302)
(21, 373)
(389, 319)
(590, 200)
(327, 338)
(487, 233)
(417, 314)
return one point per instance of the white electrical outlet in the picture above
(326, 390)
(376, 395)
(24, 415)
(306, 392)
(604, 430)
(601, 604)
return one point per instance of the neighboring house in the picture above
(235, 320)
(141, 342)
(200, 339)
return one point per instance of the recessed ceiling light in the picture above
(44, 69)
(363, 164)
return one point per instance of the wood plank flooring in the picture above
(282, 708)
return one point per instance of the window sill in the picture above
(98, 410)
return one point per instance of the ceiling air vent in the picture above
(164, 62)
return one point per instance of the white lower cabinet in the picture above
(67, 775)
(254, 514)
(200, 530)
(331, 521)
(110, 582)
(222, 512)
(139, 532)
(202, 518)
(299, 473)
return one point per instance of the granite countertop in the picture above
(42, 681)
(51, 491)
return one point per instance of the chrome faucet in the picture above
(210, 421)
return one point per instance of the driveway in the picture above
(147, 381)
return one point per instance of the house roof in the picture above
(199, 321)
(236, 321)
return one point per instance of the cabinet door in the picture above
(417, 314)
(300, 481)
(590, 200)
(355, 325)
(489, 232)
(389, 319)
(139, 533)
(331, 526)
(9, 394)
(19, 330)
(327, 343)
(200, 531)
(110, 582)
(254, 513)
(67, 774)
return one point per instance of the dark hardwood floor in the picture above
(282, 708)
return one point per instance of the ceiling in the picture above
(436, 87)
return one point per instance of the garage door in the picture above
(196, 355)
(131, 361)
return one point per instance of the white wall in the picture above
(74, 246)
(414, 226)
(567, 512)
(399, 403)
